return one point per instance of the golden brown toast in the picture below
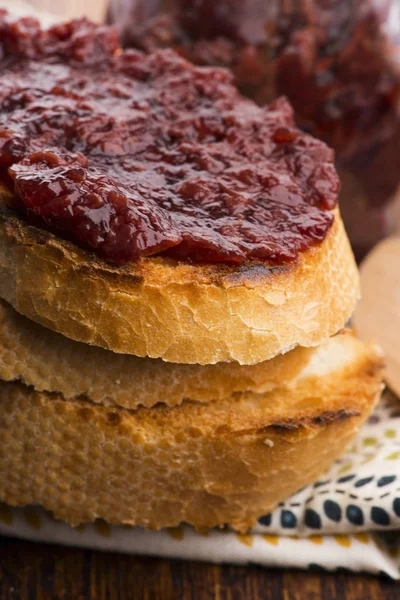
(228, 461)
(180, 312)
(51, 362)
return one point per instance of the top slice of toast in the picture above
(180, 312)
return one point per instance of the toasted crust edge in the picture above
(51, 362)
(175, 311)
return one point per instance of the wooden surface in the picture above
(36, 571)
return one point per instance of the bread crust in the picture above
(180, 312)
(51, 362)
(228, 461)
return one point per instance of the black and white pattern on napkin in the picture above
(361, 491)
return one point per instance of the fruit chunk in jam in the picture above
(133, 155)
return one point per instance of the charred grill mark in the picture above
(324, 418)
(291, 425)
(256, 273)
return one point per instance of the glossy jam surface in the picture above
(338, 62)
(134, 155)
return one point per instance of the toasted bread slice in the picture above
(180, 312)
(228, 461)
(51, 362)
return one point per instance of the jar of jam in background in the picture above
(338, 62)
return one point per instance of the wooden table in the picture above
(31, 571)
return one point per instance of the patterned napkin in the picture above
(330, 525)
(360, 492)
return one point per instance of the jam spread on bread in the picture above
(135, 155)
(338, 62)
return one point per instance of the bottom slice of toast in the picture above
(207, 464)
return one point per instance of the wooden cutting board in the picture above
(377, 316)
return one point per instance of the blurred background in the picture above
(65, 9)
